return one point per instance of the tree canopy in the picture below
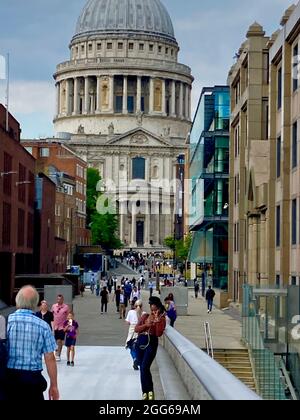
(104, 226)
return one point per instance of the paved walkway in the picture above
(225, 329)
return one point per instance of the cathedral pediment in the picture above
(139, 137)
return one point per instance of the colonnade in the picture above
(97, 94)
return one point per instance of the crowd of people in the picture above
(48, 330)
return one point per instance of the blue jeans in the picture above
(145, 359)
(210, 304)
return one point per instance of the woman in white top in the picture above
(132, 320)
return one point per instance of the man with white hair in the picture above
(28, 339)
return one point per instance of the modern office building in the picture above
(209, 183)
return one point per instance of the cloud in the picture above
(29, 97)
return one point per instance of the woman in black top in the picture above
(45, 314)
(104, 299)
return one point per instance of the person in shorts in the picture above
(60, 312)
(71, 331)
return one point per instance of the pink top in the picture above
(60, 313)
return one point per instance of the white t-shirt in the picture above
(132, 317)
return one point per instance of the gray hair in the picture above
(27, 298)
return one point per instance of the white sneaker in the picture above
(208, 311)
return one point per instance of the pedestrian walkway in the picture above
(103, 367)
(226, 330)
(100, 373)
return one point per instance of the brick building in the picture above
(16, 206)
(68, 171)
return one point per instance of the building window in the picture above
(6, 224)
(266, 68)
(172, 52)
(295, 68)
(167, 51)
(130, 104)
(294, 281)
(278, 226)
(278, 280)
(294, 222)
(295, 145)
(90, 47)
(278, 157)
(138, 168)
(237, 141)
(131, 46)
(159, 49)
(265, 121)
(7, 176)
(44, 152)
(120, 45)
(21, 183)
(30, 230)
(119, 104)
(82, 48)
(21, 227)
(99, 46)
(279, 89)
(141, 47)
(151, 47)
(109, 45)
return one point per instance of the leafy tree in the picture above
(103, 226)
(170, 242)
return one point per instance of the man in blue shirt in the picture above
(28, 339)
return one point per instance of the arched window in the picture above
(138, 168)
(155, 172)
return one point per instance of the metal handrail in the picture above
(208, 340)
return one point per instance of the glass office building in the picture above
(209, 185)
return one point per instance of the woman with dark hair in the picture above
(149, 329)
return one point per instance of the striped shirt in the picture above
(29, 337)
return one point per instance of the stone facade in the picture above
(264, 159)
(123, 96)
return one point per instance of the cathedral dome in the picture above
(126, 17)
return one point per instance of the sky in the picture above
(37, 33)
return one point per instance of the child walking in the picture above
(71, 330)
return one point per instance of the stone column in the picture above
(157, 225)
(151, 96)
(190, 103)
(139, 94)
(68, 97)
(147, 225)
(122, 220)
(125, 95)
(58, 98)
(163, 99)
(133, 226)
(187, 88)
(98, 106)
(181, 101)
(76, 94)
(111, 93)
(86, 95)
(173, 99)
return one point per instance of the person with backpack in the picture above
(210, 294)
